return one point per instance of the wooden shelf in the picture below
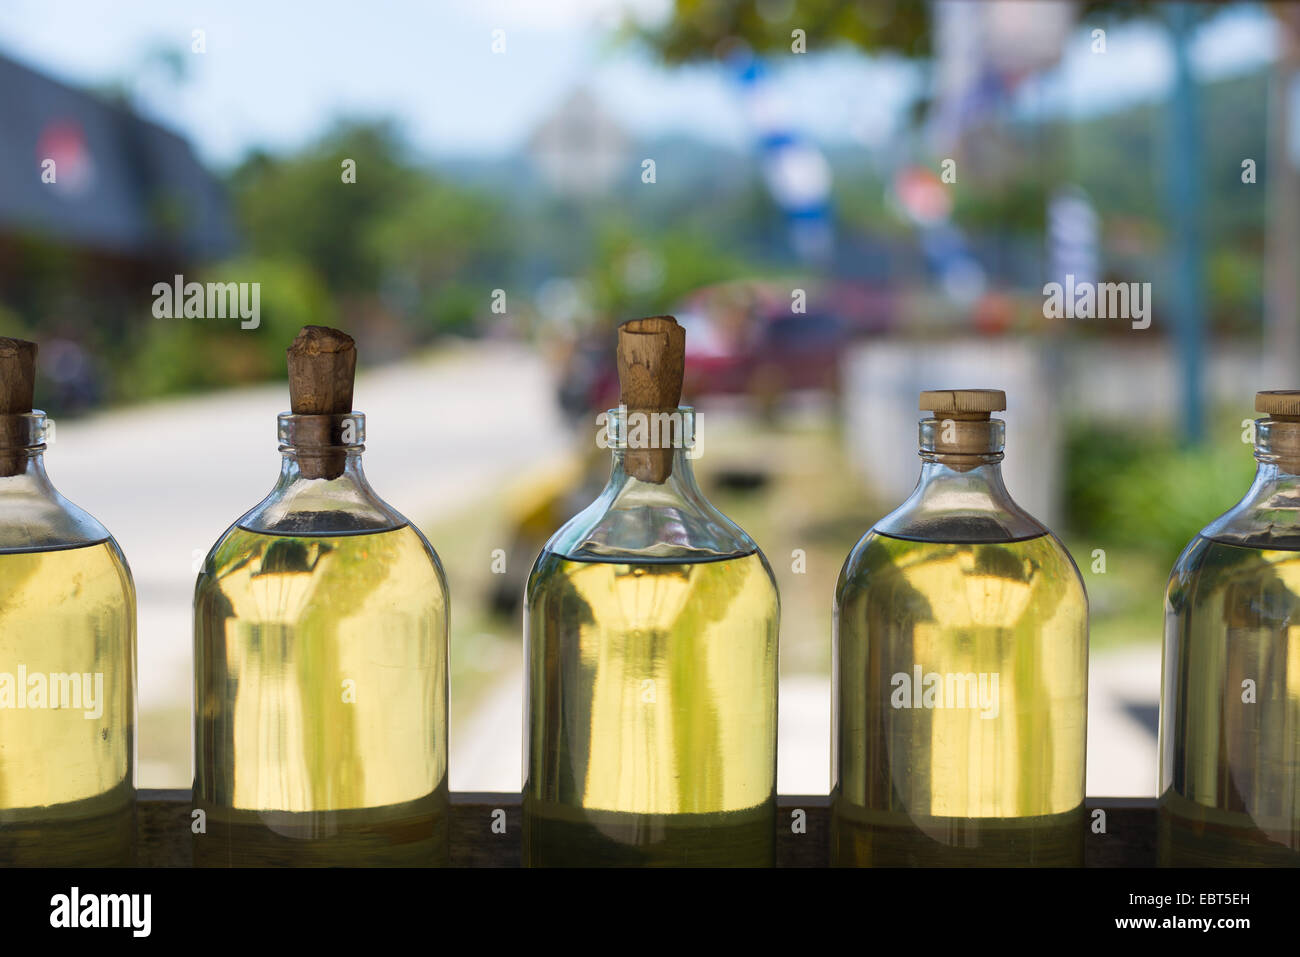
(163, 819)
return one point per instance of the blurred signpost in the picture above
(1282, 182)
(796, 172)
(1073, 237)
(1186, 208)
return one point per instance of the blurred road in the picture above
(168, 478)
(1123, 719)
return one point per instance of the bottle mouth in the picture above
(962, 439)
(624, 429)
(1277, 442)
(344, 431)
(24, 430)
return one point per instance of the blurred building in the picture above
(119, 185)
(96, 205)
(579, 150)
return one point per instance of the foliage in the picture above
(300, 207)
(1137, 489)
(702, 28)
(709, 28)
(634, 273)
(398, 226)
(180, 355)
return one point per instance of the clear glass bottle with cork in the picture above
(1230, 699)
(320, 653)
(960, 668)
(651, 650)
(67, 656)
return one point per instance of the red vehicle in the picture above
(742, 338)
(772, 353)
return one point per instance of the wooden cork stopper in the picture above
(973, 404)
(1279, 404)
(322, 369)
(17, 390)
(651, 363)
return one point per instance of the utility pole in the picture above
(1186, 214)
(1281, 171)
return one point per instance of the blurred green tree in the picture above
(369, 222)
(710, 27)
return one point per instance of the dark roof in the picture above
(123, 185)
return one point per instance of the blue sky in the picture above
(275, 74)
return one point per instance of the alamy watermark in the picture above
(1098, 300)
(670, 429)
(54, 691)
(932, 690)
(214, 300)
(133, 912)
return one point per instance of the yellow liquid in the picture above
(652, 694)
(321, 696)
(957, 770)
(67, 637)
(1230, 768)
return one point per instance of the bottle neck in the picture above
(652, 453)
(1277, 450)
(1276, 488)
(322, 488)
(960, 495)
(321, 472)
(33, 515)
(24, 472)
(978, 484)
(679, 483)
(652, 508)
(1268, 515)
(1273, 478)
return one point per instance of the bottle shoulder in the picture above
(927, 517)
(639, 522)
(1267, 516)
(41, 518)
(321, 508)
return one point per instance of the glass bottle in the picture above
(67, 668)
(651, 646)
(960, 669)
(1230, 698)
(320, 652)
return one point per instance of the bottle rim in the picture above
(620, 428)
(961, 440)
(24, 430)
(341, 431)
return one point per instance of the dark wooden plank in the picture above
(803, 834)
(1129, 835)
(485, 830)
(162, 827)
